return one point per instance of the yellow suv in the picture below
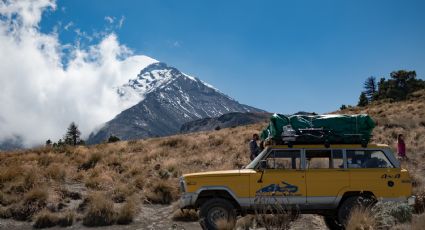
(311, 178)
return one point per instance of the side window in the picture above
(367, 159)
(337, 159)
(284, 159)
(318, 159)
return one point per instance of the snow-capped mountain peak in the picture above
(154, 76)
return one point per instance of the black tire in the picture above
(349, 204)
(215, 209)
(332, 223)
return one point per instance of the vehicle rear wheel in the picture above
(332, 223)
(349, 204)
(217, 212)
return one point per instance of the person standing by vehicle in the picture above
(401, 147)
(253, 147)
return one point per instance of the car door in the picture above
(326, 176)
(371, 170)
(281, 181)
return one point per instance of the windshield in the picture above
(257, 159)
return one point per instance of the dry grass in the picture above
(160, 191)
(126, 213)
(361, 219)
(100, 211)
(46, 219)
(185, 215)
(224, 224)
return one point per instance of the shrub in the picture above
(46, 219)
(66, 219)
(420, 202)
(139, 182)
(91, 163)
(44, 160)
(33, 201)
(160, 192)
(185, 215)
(6, 199)
(121, 193)
(246, 222)
(224, 224)
(5, 212)
(361, 218)
(173, 142)
(126, 213)
(9, 173)
(113, 139)
(100, 211)
(56, 172)
(388, 214)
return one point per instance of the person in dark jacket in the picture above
(253, 147)
(401, 147)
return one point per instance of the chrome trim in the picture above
(187, 199)
(182, 185)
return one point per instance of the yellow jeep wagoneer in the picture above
(311, 178)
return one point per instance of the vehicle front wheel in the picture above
(332, 223)
(217, 213)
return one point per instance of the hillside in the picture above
(224, 121)
(405, 117)
(137, 180)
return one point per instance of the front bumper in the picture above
(187, 200)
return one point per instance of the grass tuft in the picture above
(126, 213)
(100, 211)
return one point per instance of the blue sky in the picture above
(281, 56)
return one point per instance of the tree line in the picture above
(73, 137)
(397, 87)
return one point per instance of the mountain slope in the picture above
(170, 98)
(224, 121)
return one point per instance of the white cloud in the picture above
(109, 19)
(176, 44)
(121, 22)
(67, 26)
(39, 97)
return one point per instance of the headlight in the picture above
(182, 185)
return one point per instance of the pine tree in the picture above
(72, 136)
(363, 100)
(48, 142)
(370, 87)
(113, 139)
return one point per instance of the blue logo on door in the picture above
(276, 188)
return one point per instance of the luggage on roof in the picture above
(315, 129)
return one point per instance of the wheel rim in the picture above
(217, 213)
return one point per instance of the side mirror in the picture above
(262, 165)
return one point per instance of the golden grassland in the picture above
(106, 183)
